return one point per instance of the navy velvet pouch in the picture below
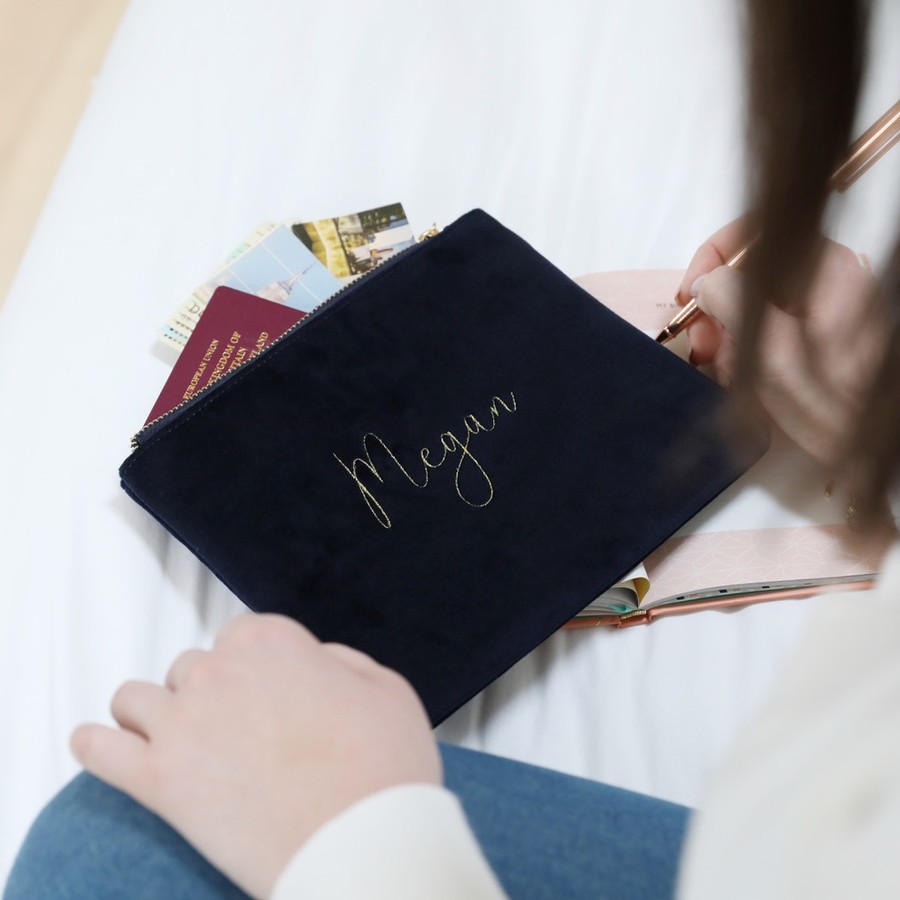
(441, 465)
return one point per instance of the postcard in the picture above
(271, 264)
(352, 245)
(299, 265)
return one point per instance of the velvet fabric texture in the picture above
(443, 464)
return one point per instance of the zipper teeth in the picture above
(328, 301)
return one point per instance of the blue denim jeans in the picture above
(547, 835)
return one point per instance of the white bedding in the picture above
(607, 133)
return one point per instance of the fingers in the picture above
(179, 669)
(236, 626)
(263, 629)
(355, 659)
(711, 335)
(705, 260)
(138, 705)
(705, 335)
(115, 756)
(714, 252)
(719, 296)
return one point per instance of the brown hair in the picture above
(805, 63)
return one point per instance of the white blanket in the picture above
(607, 133)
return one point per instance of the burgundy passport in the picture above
(233, 329)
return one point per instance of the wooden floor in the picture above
(50, 51)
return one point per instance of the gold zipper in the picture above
(136, 438)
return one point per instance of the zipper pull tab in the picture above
(429, 233)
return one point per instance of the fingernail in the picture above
(695, 287)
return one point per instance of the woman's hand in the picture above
(710, 343)
(815, 364)
(251, 746)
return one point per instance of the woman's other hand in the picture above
(249, 747)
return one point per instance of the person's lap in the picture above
(547, 835)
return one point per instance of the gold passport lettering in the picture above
(195, 380)
(449, 443)
(238, 358)
(226, 355)
(260, 343)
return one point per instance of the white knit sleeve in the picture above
(411, 841)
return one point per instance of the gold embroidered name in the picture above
(450, 445)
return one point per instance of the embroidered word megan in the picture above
(450, 444)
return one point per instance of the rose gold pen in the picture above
(865, 151)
